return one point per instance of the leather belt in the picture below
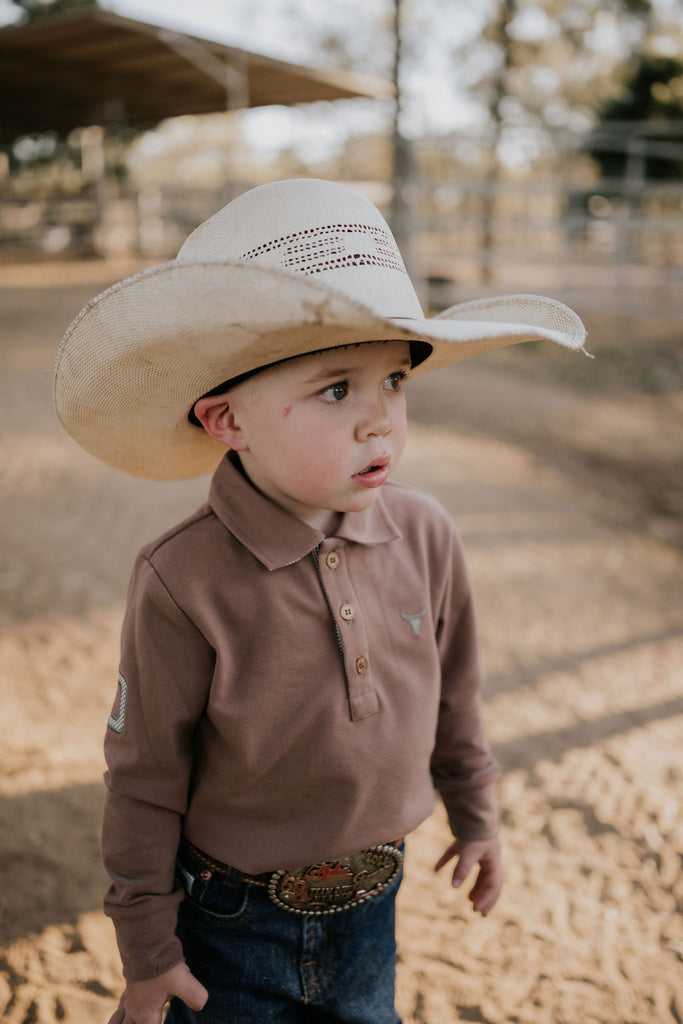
(328, 887)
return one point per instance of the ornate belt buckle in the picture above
(336, 885)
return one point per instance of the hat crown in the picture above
(321, 229)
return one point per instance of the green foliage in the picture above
(653, 97)
(653, 92)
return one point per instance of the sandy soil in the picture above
(567, 500)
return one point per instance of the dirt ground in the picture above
(564, 477)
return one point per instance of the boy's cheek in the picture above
(398, 440)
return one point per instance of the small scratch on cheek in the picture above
(286, 411)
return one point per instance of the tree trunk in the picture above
(507, 9)
(402, 162)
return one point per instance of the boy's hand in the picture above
(485, 853)
(143, 1001)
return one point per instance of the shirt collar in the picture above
(274, 536)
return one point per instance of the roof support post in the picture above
(231, 74)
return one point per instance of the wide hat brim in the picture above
(138, 356)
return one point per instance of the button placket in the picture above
(343, 597)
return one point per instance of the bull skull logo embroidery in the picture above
(414, 620)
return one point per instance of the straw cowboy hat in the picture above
(285, 269)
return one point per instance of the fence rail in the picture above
(533, 224)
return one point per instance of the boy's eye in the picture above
(335, 392)
(395, 381)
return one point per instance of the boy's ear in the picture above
(216, 415)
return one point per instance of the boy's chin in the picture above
(364, 499)
(356, 503)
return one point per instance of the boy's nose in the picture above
(375, 423)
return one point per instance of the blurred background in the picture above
(508, 141)
(515, 146)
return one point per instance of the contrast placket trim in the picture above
(335, 625)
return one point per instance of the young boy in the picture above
(299, 663)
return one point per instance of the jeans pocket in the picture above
(220, 902)
(212, 894)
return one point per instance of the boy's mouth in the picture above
(375, 474)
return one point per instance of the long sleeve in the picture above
(463, 768)
(165, 674)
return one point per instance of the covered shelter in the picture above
(90, 67)
(99, 75)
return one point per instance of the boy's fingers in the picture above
(466, 861)
(123, 1016)
(143, 1001)
(489, 879)
(483, 904)
(451, 852)
(192, 992)
(486, 889)
(468, 855)
(483, 899)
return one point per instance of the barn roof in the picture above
(96, 67)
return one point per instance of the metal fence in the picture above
(464, 231)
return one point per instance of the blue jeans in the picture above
(264, 965)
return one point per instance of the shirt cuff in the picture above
(473, 814)
(146, 938)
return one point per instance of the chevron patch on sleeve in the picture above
(117, 723)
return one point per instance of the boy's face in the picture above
(318, 434)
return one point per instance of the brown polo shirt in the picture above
(287, 697)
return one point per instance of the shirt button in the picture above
(361, 666)
(332, 560)
(346, 612)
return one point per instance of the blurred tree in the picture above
(654, 91)
(542, 69)
(536, 70)
(377, 39)
(497, 32)
(402, 171)
(652, 98)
